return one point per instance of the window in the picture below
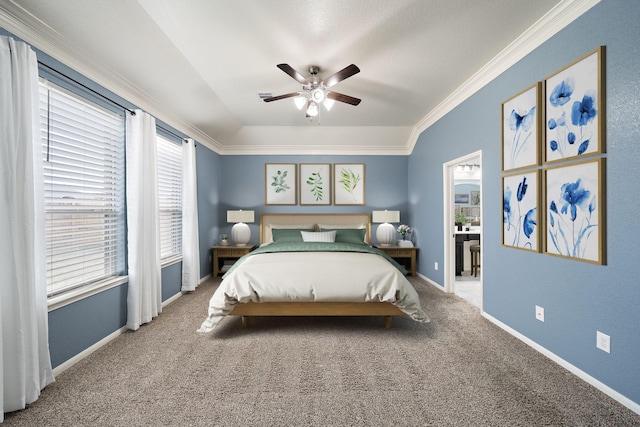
(170, 198)
(83, 155)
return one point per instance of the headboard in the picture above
(269, 221)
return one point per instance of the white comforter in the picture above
(313, 276)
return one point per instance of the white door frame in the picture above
(448, 192)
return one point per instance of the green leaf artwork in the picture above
(315, 181)
(279, 182)
(349, 181)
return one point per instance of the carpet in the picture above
(458, 370)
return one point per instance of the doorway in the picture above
(462, 178)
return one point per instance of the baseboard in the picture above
(431, 282)
(172, 299)
(78, 357)
(635, 407)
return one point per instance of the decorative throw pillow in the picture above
(318, 236)
(288, 235)
(350, 235)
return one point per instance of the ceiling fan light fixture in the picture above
(328, 103)
(312, 109)
(315, 91)
(318, 95)
(300, 101)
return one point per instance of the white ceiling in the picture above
(199, 64)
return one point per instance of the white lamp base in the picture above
(240, 234)
(385, 234)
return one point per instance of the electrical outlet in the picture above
(435, 265)
(540, 313)
(603, 342)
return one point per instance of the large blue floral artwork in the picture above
(520, 123)
(520, 196)
(573, 209)
(574, 109)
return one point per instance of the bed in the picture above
(343, 276)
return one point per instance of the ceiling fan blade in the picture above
(346, 72)
(279, 97)
(293, 73)
(343, 98)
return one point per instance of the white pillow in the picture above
(290, 226)
(318, 236)
(332, 226)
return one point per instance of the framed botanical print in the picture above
(574, 109)
(520, 213)
(349, 184)
(280, 184)
(315, 183)
(521, 129)
(574, 211)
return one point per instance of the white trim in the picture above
(78, 357)
(174, 259)
(448, 191)
(546, 27)
(431, 282)
(172, 299)
(57, 301)
(635, 407)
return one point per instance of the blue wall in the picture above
(208, 168)
(242, 186)
(579, 298)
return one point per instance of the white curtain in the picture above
(144, 299)
(24, 343)
(190, 242)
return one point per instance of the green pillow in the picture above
(288, 235)
(349, 235)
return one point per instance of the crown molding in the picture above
(18, 21)
(325, 150)
(546, 27)
(37, 33)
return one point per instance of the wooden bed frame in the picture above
(293, 308)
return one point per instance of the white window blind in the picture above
(170, 197)
(83, 155)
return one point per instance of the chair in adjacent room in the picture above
(475, 259)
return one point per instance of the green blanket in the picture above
(316, 247)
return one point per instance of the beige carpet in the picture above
(457, 370)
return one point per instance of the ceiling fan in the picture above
(315, 91)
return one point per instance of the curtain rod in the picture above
(104, 97)
(86, 87)
(171, 133)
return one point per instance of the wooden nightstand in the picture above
(403, 255)
(220, 253)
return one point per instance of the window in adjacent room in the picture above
(170, 199)
(83, 157)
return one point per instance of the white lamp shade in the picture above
(300, 102)
(385, 234)
(328, 103)
(240, 216)
(240, 234)
(386, 216)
